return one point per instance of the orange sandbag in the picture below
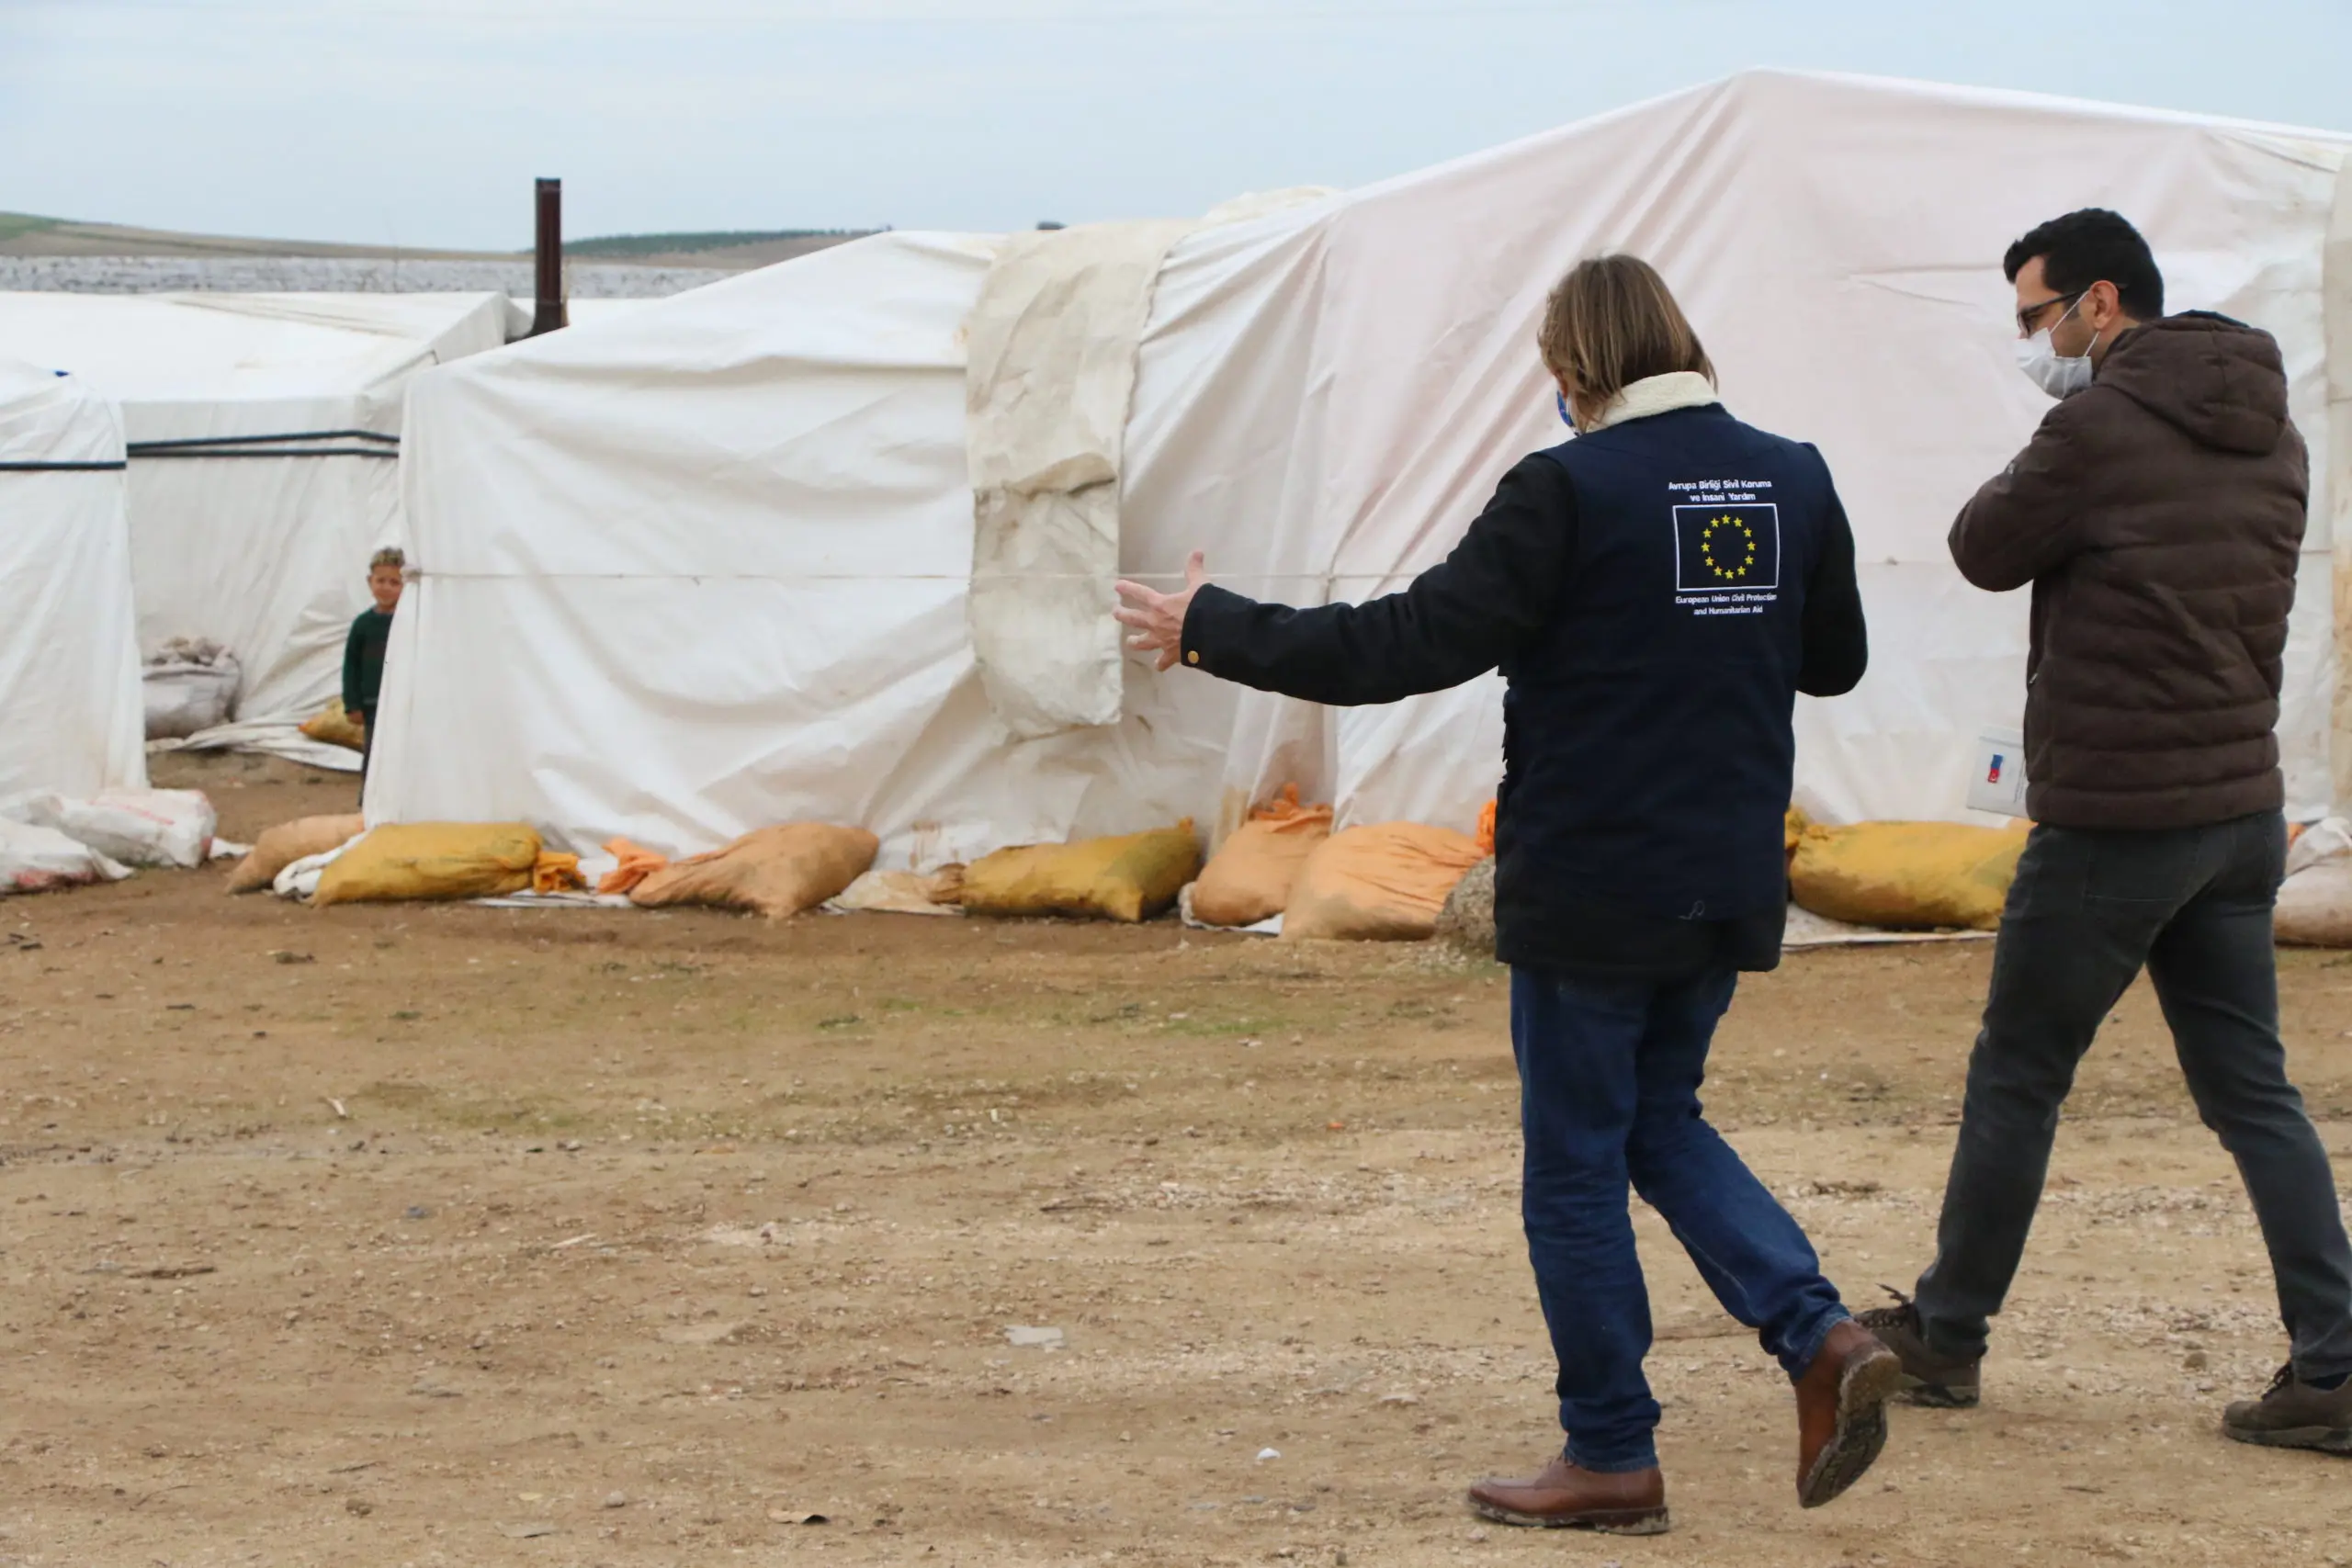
(1385, 883)
(557, 872)
(778, 871)
(281, 846)
(637, 863)
(1251, 874)
(1487, 827)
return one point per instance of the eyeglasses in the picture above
(2027, 317)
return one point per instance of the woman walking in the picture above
(1656, 590)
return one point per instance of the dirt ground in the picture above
(459, 1235)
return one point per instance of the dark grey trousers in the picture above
(2088, 911)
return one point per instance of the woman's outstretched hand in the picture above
(1158, 618)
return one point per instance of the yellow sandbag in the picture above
(432, 860)
(1385, 883)
(336, 728)
(1792, 827)
(1906, 875)
(281, 846)
(1251, 874)
(1132, 877)
(776, 872)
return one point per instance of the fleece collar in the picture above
(1658, 394)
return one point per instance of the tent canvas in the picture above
(266, 550)
(69, 663)
(706, 567)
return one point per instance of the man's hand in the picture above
(1158, 618)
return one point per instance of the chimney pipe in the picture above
(550, 313)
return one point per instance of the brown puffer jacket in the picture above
(2158, 515)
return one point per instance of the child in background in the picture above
(362, 650)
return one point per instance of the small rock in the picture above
(616, 1499)
(797, 1516)
(530, 1531)
(1400, 1399)
(2196, 1360)
(1477, 1535)
(435, 1391)
(282, 956)
(419, 1212)
(358, 1507)
(1265, 1454)
(1036, 1338)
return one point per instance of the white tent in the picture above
(709, 567)
(69, 708)
(264, 438)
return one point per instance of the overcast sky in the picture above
(421, 122)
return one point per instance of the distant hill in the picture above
(31, 234)
(634, 245)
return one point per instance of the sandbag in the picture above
(281, 846)
(1133, 876)
(1250, 875)
(1906, 875)
(1792, 827)
(135, 827)
(1467, 921)
(336, 728)
(778, 871)
(403, 861)
(2316, 906)
(1382, 883)
(632, 864)
(189, 685)
(34, 858)
(903, 893)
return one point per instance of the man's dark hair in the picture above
(2094, 245)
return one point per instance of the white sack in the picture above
(182, 699)
(40, 860)
(136, 827)
(2315, 907)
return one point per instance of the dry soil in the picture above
(459, 1235)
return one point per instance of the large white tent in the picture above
(69, 708)
(263, 432)
(709, 566)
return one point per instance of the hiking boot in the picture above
(1841, 1411)
(2291, 1414)
(1564, 1497)
(1929, 1377)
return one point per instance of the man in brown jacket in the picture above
(2157, 514)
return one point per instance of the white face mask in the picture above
(2059, 375)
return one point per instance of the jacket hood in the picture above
(2220, 380)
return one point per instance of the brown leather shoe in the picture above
(1564, 1497)
(1841, 1411)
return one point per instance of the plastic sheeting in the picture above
(1050, 368)
(69, 662)
(267, 555)
(705, 567)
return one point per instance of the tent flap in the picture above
(1049, 374)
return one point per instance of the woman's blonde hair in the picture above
(1612, 321)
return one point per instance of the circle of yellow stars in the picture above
(1740, 553)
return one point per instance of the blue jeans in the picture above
(1608, 1074)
